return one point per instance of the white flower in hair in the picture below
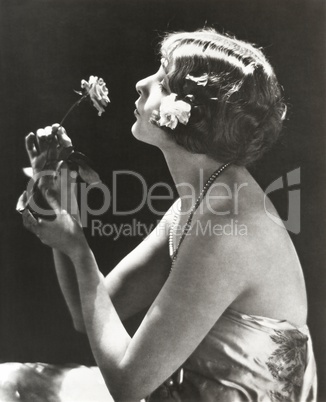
(174, 111)
(202, 80)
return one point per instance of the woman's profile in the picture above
(227, 314)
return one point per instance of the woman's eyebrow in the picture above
(163, 70)
(163, 76)
(164, 64)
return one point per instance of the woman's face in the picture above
(151, 92)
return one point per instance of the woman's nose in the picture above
(141, 86)
(138, 87)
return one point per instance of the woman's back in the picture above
(263, 253)
(277, 285)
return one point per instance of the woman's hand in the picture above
(65, 233)
(44, 150)
(45, 146)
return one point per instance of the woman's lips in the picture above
(136, 113)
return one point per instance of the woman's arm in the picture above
(136, 281)
(39, 148)
(68, 284)
(205, 280)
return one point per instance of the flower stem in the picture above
(63, 119)
(72, 108)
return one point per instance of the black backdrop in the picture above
(48, 46)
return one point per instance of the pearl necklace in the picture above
(187, 226)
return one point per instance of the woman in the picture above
(227, 314)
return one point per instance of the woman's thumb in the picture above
(64, 140)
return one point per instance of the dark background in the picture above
(48, 46)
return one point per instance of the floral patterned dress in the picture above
(246, 358)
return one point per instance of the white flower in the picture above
(173, 112)
(97, 91)
(202, 80)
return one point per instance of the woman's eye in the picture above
(162, 86)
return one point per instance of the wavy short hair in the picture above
(237, 116)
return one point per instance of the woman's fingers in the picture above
(60, 233)
(37, 227)
(30, 222)
(30, 144)
(42, 140)
(63, 138)
(46, 143)
(21, 203)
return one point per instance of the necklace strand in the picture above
(187, 226)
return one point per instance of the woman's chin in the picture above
(136, 132)
(142, 134)
(151, 135)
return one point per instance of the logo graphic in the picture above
(292, 223)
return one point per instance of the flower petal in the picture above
(97, 91)
(173, 112)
